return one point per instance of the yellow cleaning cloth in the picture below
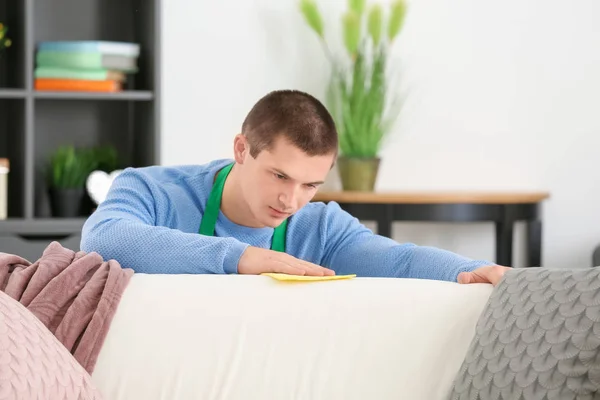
(286, 277)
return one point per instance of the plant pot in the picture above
(66, 203)
(358, 174)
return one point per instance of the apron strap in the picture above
(278, 243)
(213, 205)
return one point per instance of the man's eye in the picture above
(279, 176)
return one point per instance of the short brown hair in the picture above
(295, 115)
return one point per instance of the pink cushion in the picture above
(33, 363)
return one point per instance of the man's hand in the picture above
(255, 261)
(488, 274)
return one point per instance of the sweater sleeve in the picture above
(351, 248)
(124, 228)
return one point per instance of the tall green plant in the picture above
(4, 41)
(358, 96)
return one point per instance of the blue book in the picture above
(92, 46)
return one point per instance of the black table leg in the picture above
(534, 244)
(384, 220)
(504, 240)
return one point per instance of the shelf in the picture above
(139, 95)
(12, 94)
(35, 123)
(126, 127)
(132, 95)
(41, 226)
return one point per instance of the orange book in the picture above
(77, 85)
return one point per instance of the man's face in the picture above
(279, 181)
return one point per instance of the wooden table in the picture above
(503, 209)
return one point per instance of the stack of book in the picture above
(88, 66)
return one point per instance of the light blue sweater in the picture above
(149, 222)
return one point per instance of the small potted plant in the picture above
(68, 170)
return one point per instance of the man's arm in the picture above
(351, 248)
(124, 228)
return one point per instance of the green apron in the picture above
(213, 206)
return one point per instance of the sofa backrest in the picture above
(252, 337)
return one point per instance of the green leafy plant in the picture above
(5, 42)
(359, 95)
(69, 167)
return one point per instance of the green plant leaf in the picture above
(375, 23)
(312, 16)
(69, 167)
(359, 96)
(362, 104)
(351, 30)
(397, 14)
(357, 6)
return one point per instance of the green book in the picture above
(93, 60)
(74, 73)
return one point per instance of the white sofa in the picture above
(252, 337)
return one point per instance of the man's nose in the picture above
(288, 197)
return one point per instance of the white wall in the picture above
(505, 95)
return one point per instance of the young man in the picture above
(252, 214)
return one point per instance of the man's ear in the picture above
(240, 148)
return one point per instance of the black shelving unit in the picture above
(34, 123)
